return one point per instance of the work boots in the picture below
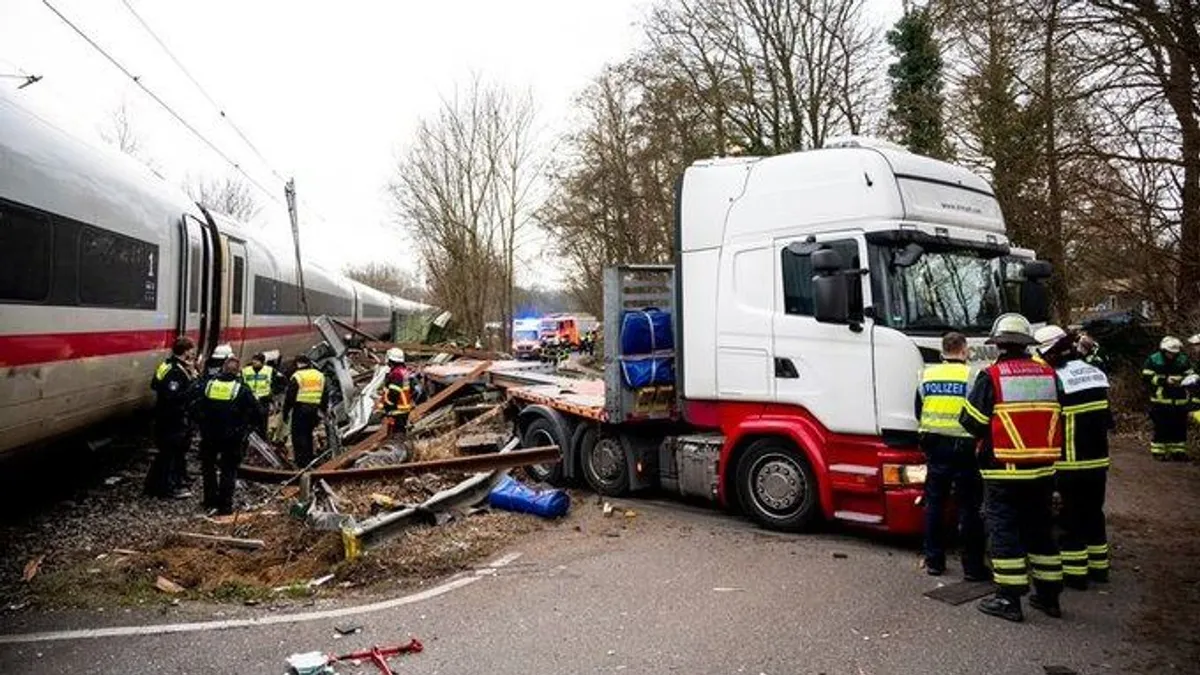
(1046, 605)
(1003, 606)
(1078, 582)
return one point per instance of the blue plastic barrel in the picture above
(511, 494)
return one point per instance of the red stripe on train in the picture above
(23, 350)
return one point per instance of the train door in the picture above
(194, 266)
(236, 310)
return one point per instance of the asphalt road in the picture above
(673, 589)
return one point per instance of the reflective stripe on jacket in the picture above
(1025, 423)
(943, 393)
(310, 385)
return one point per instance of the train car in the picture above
(103, 264)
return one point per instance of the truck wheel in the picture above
(543, 432)
(605, 467)
(776, 486)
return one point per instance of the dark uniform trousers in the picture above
(1022, 536)
(219, 460)
(305, 417)
(951, 465)
(168, 469)
(1084, 541)
(1170, 422)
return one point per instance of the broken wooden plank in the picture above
(480, 443)
(235, 542)
(233, 518)
(445, 394)
(32, 567)
(167, 586)
(489, 462)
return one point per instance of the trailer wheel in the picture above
(776, 485)
(542, 432)
(605, 466)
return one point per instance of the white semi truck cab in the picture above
(809, 291)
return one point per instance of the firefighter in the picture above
(216, 361)
(1082, 472)
(263, 382)
(303, 404)
(172, 384)
(950, 458)
(228, 413)
(1164, 373)
(1014, 410)
(398, 392)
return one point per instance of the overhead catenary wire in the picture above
(179, 118)
(203, 92)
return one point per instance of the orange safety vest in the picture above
(1026, 424)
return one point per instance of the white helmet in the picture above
(222, 352)
(1011, 328)
(1048, 336)
(395, 355)
(1171, 344)
(1194, 340)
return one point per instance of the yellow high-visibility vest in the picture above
(260, 382)
(221, 390)
(161, 372)
(943, 394)
(311, 384)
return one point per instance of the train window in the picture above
(116, 270)
(239, 283)
(26, 242)
(194, 279)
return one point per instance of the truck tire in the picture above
(605, 465)
(540, 432)
(776, 486)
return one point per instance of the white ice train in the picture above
(103, 264)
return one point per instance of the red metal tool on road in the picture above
(380, 655)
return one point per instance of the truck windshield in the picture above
(525, 336)
(951, 289)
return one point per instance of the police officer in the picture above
(172, 431)
(1164, 372)
(303, 403)
(950, 458)
(1083, 471)
(263, 382)
(1014, 410)
(228, 412)
(397, 393)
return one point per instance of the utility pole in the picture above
(289, 191)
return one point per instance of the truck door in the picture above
(824, 368)
(235, 286)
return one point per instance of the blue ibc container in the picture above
(646, 331)
(511, 494)
(647, 371)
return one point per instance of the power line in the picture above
(201, 89)
(137, 80)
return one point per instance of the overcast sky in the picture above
(328, 92)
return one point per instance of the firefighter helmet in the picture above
(1171, 344)
(395, 355)
(1011, 329)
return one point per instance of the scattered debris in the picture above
(113, 480)
(309, 663)
(607, 509)
(348, 628)
(235, 542)
(510, 494)
(378, 656)
(727, 589)
(630, 513)
(124, 551)
(31, 568)
(839, 556)
(167, 586)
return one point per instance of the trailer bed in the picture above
(532, 383)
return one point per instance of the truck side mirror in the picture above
(1035, 300)
(831, 288)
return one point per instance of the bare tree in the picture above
(118, 131)
(776, 75)
(464, 190)
(229, 195)
(389, 279)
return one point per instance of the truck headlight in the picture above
(897, 475)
